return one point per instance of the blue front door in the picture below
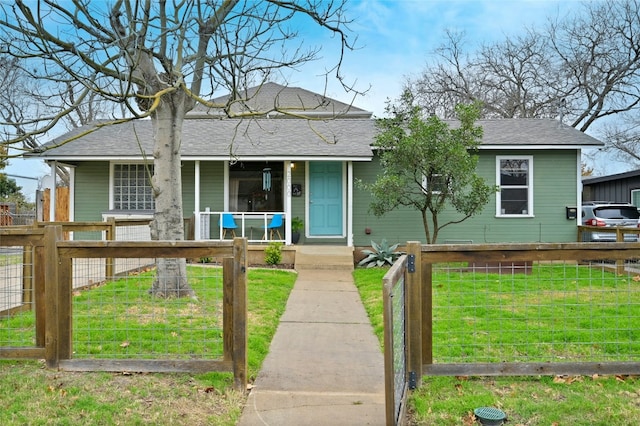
(325, 199)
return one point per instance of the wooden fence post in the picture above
(414, 312)
(227, 306)
(240, 314)
(39, 274)
(65, 306)
(110, 236)
(52, 234)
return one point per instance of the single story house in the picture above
(261, 167)
(619, 188)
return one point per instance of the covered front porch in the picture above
(256, 227)
(264, 200)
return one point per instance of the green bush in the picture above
(296, 224)
(273, 253)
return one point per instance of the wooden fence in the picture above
(52, 282)
(108, 230)
(618, 231)
(398, 292)
(510, 259)
(61, 210)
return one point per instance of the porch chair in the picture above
(227, 223)
(274, 226)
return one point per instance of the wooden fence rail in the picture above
(53, 277)
(591, 255)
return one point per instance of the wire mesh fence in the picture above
(543, 312)
(395, 340)
(25, 218)
(117, 317)
(15, 297)
(86, 305)
(120, 318)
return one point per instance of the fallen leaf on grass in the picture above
(459, 388)
(566, 379)
(63, 392)
(469, 419)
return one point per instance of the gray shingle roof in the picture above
(270, 96)
(348, 136)
(215, 138)
(518, 132)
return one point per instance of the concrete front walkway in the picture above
(325, 366)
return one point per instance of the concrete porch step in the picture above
(324, 257)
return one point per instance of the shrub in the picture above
(296, 224)
(273, 253)
(381, 255)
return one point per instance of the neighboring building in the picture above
(619, 188)
(274, 164)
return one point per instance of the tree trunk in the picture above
(167, 224)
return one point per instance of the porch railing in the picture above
(254, 226)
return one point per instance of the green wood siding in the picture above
(298, 203)
(92, 188)
(555, 187)
(400, 225)
(91, 191)
(188, 188)
(211, 186)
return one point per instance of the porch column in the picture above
(287, 203)
(349, 203)
(196, 202)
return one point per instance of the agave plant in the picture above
(381, 255)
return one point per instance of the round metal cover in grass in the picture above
(490, 416)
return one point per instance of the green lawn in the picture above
(578, 312)
(32, 394)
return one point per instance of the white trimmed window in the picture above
(635, 197)
(256, 186)
(436, 184)
(514, 175)
(132, 187)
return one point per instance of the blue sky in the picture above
(395, 38)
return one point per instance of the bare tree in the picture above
(514, 78)
(26, 95)
(582, 68)
(623, 138)
(159, 59)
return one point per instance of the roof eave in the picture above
(536, 147)
(216, 158)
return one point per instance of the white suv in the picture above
(609, 215)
